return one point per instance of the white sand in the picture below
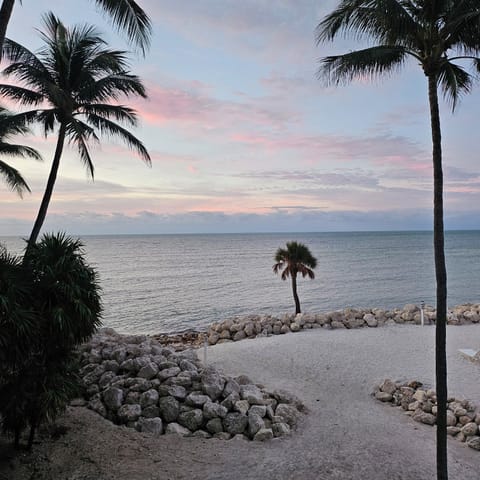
(348, 434)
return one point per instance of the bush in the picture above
(50, 303)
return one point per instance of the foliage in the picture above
(295, 259)
(11, 125)
(50, 304)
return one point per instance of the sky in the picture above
(245, 138)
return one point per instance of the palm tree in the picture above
(77, 78)
(126, 15)
(295, 259)
(436, 34)
(11, 125)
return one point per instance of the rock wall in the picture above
(137, 382)
(238, 328)
(463, 418)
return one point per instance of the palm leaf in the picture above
(13, 178)
(371, 62)
(454, 81)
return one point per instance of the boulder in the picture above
(196, 399)
(167, 373)
(214, 410)
(235, 423)
(288, 413)
(263, 435)
(151, 425)
(148, 371)
(169, 408)
(148, 398)
(176, 429)
(214, 426)
(474, 443)
(113, 398)
(255, 423)
(470, 429)
(252, 394)
(212, 384)
(129, 413)
(280, 429)
(192, 420)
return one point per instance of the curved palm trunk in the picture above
(295, 295)
(5, 14)
(42, 213)
(441, 279)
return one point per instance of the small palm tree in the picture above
(436, 34)
(77, 78)
(11, 125)
(295, 259)
(126, 15)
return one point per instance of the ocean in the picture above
(169, 283)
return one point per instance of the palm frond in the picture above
(112, 87)
(13, 178)
(79, 134)
(128, 16)
(22, 95)
(370, 62)
(117, 112)
(108, 127)
(454, 81)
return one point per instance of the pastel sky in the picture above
(245, 138)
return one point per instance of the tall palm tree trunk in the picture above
(441, 279)
(42, 213)
(295, 295)
(5, 14)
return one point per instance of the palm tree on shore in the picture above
(437, 35)
(295, 259)
(77, 78)
(12, 125)
(126, 15)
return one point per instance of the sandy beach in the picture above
(346, 435)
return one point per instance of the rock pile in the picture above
(463, 418)
(137, 382)
(251, 326)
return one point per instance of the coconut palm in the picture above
(126, 15)
(295, 259)
(11, 125)
(77, 79)
(437, 35)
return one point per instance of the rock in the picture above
(151, 425)
(474, 443)
(213, 338)
(370, 320)
(169, 408)
(201, 434)
(255, 423)
(289, 413)
(222, 436)
(235, 423)
(129, 413)
(263, 434)
(383, 396)
(426, 418)
(470, 429)
(230, 401)
(214, 426)
(187, 365)
(252, 394)
(225, 335)
(240, 335)
(196, 399)
(175, 428)
(241, 406)
(97, 406)
(167, 373)
(213, 410)
(453, 430)
(113, 398)
(388, 386)
(176, 391)
(148, 398)
(336, 324)
(231, 386)
(451, 418)
(260, 410)
(192, 420)
(151, 411)
(280, 429)
(148, 371)
(420, 395)
(243, 380)
(213, 384)
(294, 327)
(285, 329)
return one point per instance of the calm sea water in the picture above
(160, 283)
